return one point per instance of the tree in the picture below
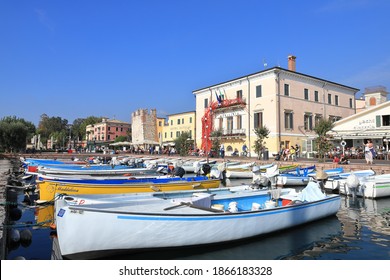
(261, 132)
(14, 133)
(216, 140)
(183, 144)
(322, 142)
(49, 125)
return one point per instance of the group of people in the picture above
(291, 153)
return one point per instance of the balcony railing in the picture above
(233, 132)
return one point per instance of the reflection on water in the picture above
(360, 231)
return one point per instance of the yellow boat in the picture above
(49, 188)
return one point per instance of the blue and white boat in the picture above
(146, 222)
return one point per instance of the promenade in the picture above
(379, 166)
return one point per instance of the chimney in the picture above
(291, 63)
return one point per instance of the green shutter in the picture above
(378, 121)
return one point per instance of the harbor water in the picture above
(359, 231)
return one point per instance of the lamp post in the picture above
(386, 140)
(69, 126)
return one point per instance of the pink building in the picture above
(106, 132)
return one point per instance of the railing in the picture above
(233, 132)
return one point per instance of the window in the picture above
(190, 119)
(165, 135)
(308, 121)
(306, 94)
(229, 124)
(206, 103)
(288, 120)
(116, 128)
(171, 134)
(317, 119)
(336, 100)
(350, 103)
(286, 89)
(220, 123)
(258, 91)
(159, 123)
(386, 120)
(258, 120)
(182, 121)
(316, 96)
(239, 121)
(177, 134)
(171, 122)
(329, 98)
(178, 121)
(239, 94)
(334, 118)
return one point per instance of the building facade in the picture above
(371, 123)
(176, 124)
(144, 127)
(103, 133)
(288, 103)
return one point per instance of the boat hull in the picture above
(48, 189)
(174, 229)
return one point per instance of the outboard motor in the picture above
(179, 171)
(206, 168)
(352, 183)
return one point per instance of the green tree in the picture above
(262, 133)
(216, 137)
(322, 142)
(14, 133)
(48, 125)
(182, 143)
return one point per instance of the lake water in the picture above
(359, 231)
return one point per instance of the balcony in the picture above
(233, 133)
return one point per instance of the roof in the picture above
(276, 69)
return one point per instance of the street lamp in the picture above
(69, 126)
(386, 140)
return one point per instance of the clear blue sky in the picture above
(79, 58)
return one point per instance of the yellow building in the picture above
(177, 124)
(288, 103)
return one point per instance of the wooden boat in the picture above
(49, 188)
(97, 230)
(375, 186)
(245, 171)
(335, 181)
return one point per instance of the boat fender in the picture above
(25, 238)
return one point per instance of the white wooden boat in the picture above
(335, 181)
(97, 230)
(375, 186)
(244, 171)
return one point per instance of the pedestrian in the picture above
(368, 154)
(222, 151)
(293, 153)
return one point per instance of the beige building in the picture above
(177, 124)
(287, 102)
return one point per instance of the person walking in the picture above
(368, 154)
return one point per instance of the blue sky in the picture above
(79, 58)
